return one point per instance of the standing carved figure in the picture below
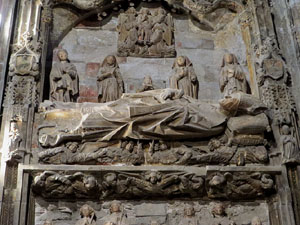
(184, 77)
(88, 216)
(232, 77)
(189, 216)
(289, 146)
(117, 216)
(110, 82)
(64, 80)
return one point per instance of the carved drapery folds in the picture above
(64, 81)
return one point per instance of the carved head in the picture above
(89, 182)
(229, 59)
(62, 54)
(181, 61)
(111, 60)
(110, 179)
(87, 211)
(147, 81)
(153, 177)
(48, 222)
(115, 207)
(256, 221)
(219, 209)
(285, 130)
(189, 211)
(72, 146)
(154, 222)
(131, 10)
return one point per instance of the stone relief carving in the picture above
(289, 146)
(239, 185)
(117, 215)
(88, 216)
(64, 82)
(109, 80)
(189, 216)
(212, 120)
(184, 77)
(154, 153)
(21, 91)
(147, 33)
(157, 213)
(232, 78)
(26, 57)
(147, 84)
(153, 184)
(73, 153)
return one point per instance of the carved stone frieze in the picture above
(152, 184)
(118, 185)
(142, 153)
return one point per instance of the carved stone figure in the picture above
(147, 84)
(15, 133)
(117, 215)
(110, 82)
(147, 33)
(71, 153)
(124, 119)
(64, 82)
(232, 78)
(218, 210)
(88, 216)
(184, 77)
(239, 185)
(54, 185)
(189, 217)
(289, 146)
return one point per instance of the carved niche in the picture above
(146, 33)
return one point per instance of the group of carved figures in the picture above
(65, 87)
(148, 33)
(117, 216)
(64, 81)
(153, 184)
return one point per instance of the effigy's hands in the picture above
(171, 94)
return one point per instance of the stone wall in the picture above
(88, 46)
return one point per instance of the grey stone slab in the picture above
(151, 210)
